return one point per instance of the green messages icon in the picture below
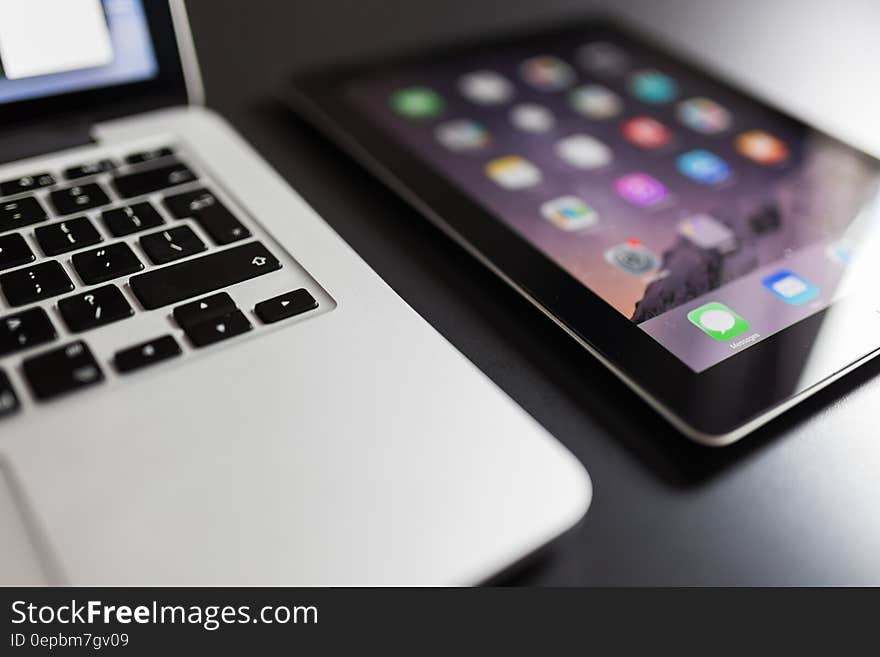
(417, 102)
(718, 321)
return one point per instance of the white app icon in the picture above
(513, 172)
(531, 117)
(462, 135)
(583, 152)
(595, 102)
(485, 87)
(706, 232)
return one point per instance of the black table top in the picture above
(798, 502)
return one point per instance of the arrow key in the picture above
(196, 312)
(285, 306)
(217, 329)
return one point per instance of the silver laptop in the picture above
(200, 383)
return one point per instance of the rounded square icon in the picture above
(718, 321)
(417, 102)
(602, 58)
(761, 147)
(485, 87)
(653, 87)
(702, 166)
(632, 257)
(513, 172)
(646, 132)
(703, 115)
(547, 73)
(462, 135)
(569, 213)
(595, 101)
(583, 152)
(640, 189)
(790, 287)
(531, 117)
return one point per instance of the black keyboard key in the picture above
(89, 169)
(131, 219)
(285, 306)
(21, 212)
(199, 311)
(94, 308)
(25, 330)
(67, 236)
(79, 198)
(171, 244)
(14, 251)
(148, 156)
(194, 278)
(210, 213)
(146, 353)
(152, 180)
(26, 184)
(8, 399)
(106, 263)
(32, 284)
(62, 370)
(217, 329)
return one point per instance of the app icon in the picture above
(718, 321)
(631, 257)
(417, 102)
(790, 287)
(646, 132)
(547, 73)
(513, 172)
(583, 152)
(531, 117)
(705, 232)
(704, 167)
(485, 88)
(640, 189)
(703, 115)
(462, 135)
(761, 147)
(840, 251)
(569, 213)
(653, 87)
(595, 101)
(602, 58)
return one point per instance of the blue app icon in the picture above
(790, 287)
(653, 87)
(704, 167)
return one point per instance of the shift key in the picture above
(192, 278)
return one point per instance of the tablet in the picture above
(717, 254)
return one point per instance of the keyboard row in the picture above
(73, 366)
(200, 205)
(155, 288)
(33, 182)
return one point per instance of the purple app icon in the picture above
(640, 189)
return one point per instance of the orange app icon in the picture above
(761, 147)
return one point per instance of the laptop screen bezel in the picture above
(167, 87)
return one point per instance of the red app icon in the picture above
(645, 132)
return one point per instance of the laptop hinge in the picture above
(39, 139)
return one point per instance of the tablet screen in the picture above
(705, 217)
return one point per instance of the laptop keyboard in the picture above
(90, 245)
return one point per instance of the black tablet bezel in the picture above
(167, 87)
(714, 403)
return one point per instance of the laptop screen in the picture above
(51, 47)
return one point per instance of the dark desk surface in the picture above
(797, 503)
